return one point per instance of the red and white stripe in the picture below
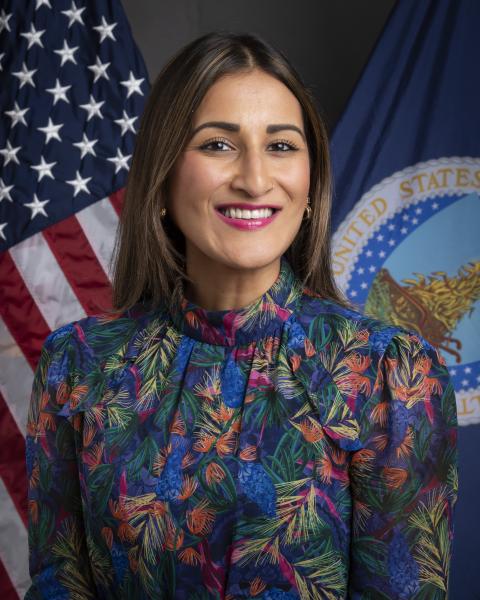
(54, 277)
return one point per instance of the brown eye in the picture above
(210, 145)
(287, 146)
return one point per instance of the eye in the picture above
(290, 146)
(285, 145)
(209, 145)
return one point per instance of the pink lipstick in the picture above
(247, 224)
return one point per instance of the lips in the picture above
(246, 224)
(247, 206)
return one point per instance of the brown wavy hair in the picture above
(149, 254)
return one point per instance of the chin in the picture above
(236, 256)
(250, 260)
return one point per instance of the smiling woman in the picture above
(234, 429)
(251, 166)
(229, 123)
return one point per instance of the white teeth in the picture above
(238, 213)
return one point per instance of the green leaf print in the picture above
(100, 483)
(143, 457)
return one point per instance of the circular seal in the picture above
(409, 253)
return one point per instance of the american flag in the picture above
(72, 87)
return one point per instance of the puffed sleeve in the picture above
(59, 566)
(404, 479)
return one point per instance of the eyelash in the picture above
(293, 147)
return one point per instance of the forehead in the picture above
(249, 96)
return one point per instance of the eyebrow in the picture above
(234, 127)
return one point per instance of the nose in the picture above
(252, 174)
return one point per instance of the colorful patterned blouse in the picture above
(289, 449)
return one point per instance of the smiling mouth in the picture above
(244, 214)
(249, 220)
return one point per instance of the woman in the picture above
(234, 430)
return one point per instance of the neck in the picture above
(217, 286)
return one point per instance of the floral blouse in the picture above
(289, 449)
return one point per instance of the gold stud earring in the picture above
(308, 208)
(163, 212)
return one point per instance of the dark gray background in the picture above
(328, 41)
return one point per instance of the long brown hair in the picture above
(149, 254)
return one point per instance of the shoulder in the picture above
(97, 337)
(375, 367)
(78, 358)
(348, 330)
(364, 355)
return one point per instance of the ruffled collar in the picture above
(261, 318)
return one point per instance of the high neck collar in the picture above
(236, 327)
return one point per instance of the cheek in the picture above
(296, 180)
(193, 181)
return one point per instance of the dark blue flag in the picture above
(72, 85)
(406, 248)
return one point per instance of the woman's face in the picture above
(255, 156)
